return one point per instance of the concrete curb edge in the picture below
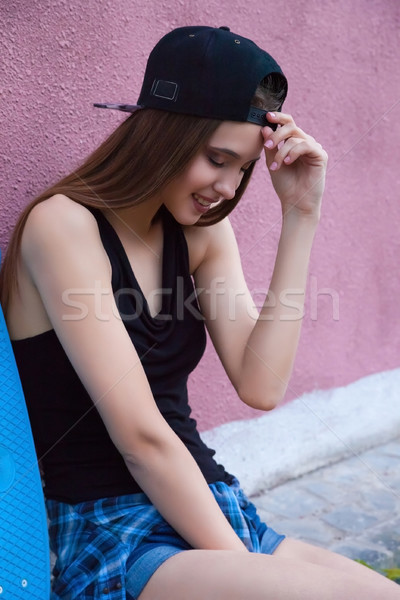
(312, 431)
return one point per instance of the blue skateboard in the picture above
(24, 544)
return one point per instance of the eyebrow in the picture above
(232, 153)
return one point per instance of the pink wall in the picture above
(341, 59)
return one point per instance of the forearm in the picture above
(175, 485)
(271, 348)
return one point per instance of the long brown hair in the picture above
(139, 158)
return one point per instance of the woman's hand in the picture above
(297, 164)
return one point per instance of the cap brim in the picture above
(124, 107)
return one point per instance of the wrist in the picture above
(297, 236)
(300, 219)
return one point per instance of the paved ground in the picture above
(352, 507)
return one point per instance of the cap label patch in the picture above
(164, 89)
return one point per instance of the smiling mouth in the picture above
(202, 201)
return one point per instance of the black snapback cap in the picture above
(206, 72)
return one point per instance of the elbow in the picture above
(264, 400)
(142, 454)
(264, 403)
(145, 446)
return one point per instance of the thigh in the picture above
(297, 550)
(224, 575)
(292, 549)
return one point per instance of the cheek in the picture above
(197, 176)
(200, 169)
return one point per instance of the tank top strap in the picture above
(175, 269)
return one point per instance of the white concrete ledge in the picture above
(315, 430)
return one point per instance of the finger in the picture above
(284, 133)
(276, 159)
(279, 118)
(266, 132)
(312, 152)
(315, 155)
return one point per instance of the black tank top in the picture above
(79, 460)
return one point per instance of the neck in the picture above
(138, 219)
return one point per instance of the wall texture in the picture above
(60, 56)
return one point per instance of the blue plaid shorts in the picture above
(108, 546)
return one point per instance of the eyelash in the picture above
(220, 165)
(215, 163)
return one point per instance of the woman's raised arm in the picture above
(258, 349)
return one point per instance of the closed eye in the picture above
(215, 162)
(219, 165)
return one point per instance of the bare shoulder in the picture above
(62, 236)
(62, 226)
(58, 215)
(59, 236)
(207, 242)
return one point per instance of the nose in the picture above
(226, 184)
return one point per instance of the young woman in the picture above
(106, 327)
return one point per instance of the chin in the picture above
(184, 217)
(187, 221)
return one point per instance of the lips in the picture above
(206, 202)
(201, 203)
